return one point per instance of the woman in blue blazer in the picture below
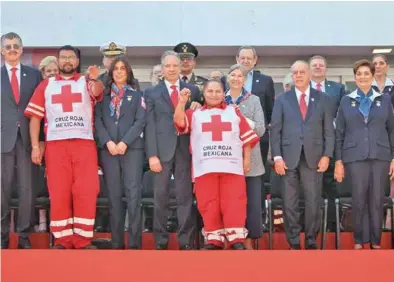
(119, 123)
(365, 152)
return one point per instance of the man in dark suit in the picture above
(18, 83)
(318, 66)
(168, 152)
(302, 143)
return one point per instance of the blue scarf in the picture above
(364, 101)
(116, 99)
(229, 99)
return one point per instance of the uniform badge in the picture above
(353, 103)
(378, 103)
(312, 99)
(129, 98)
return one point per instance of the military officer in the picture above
(188, 54)
(110, 51)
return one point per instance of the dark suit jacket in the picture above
(12, 113)
(161, 135)
(335, 91)
(357, 140)
(130, 125)
(290, 134)
(263, 87)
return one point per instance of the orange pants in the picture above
(73, 185)
(221, 201)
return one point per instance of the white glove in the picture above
(250, 122)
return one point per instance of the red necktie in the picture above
(174, 95)
(15, 84)
(318, 87)
(303, 106)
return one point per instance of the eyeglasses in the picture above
(8, 47)
(69, 58)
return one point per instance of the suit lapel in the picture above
(314, 98)
(127, 99)
(192, 79)
(6, 89)
(294, 103)
(166, 95)
(255, 82)
(329, 88)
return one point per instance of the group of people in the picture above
(211, 135)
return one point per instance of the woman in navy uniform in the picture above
(365, 152)
(119, 122)
(381, 82)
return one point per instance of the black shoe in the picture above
(99, 229)
(134, 248)
(117, 247)
(5, 244)
(311, 246)
(186, 247)
(295, 247)
(238, 246)
(212, 247)
(58, 247)
(161, 247)
(24, 243)
(89, 247)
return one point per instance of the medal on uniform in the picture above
(353, 103)
(129, 98)
(378, 103)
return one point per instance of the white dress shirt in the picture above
(298, 94)
(168, 85)
(18, 73)
(322, 87)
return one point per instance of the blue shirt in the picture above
(249, 82)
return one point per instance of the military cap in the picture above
(186, 49)
(112, 49)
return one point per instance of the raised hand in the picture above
(93, 72)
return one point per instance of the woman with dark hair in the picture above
(381, 82)
(119, 122)
(365, 153)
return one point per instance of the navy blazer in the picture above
(12, 113)
(162, 138)
(262, 87)
(290, 133)
(128, 128)
(388, 89)
(357, 139)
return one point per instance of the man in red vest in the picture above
(66, 102)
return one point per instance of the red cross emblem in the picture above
(67, 98)
(217, 127)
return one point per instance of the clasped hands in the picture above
(116, 149)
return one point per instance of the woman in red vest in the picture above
(221, 141)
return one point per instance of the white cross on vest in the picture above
(215, 142)
(68, 110)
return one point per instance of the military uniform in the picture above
(188, 50)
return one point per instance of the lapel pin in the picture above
(257, 80)
(312, 99)
(378, 103)
(129, 98)
(353, 103)
(24, 74)
(328, 85)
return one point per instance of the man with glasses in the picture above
(17, 86)
(66, 102)
(188, 54)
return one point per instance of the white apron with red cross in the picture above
(215, 142)
(68, 110)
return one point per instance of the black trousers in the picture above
(123, 177)
(19, 158)
(312, 190)
(254, 221)
(330, 193)
(180, 168)
(368, 180)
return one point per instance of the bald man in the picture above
(302, 143)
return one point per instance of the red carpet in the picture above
(41, 241)
(193, 266)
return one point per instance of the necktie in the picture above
(184, 78)
(174, 95)
(15, 84)
(303, 106)
(318, 86)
